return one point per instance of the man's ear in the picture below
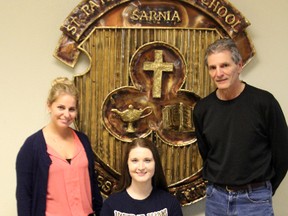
(240, 66)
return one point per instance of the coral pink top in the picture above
(69, 190)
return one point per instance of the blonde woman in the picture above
(55, 165)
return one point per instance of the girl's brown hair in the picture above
(158, 180)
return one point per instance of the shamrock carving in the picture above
(155, 100)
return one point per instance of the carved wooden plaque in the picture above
(146, 73)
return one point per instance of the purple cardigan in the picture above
(32, 167)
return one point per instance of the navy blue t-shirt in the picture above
(159, 202)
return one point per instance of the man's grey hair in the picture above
(222, 45)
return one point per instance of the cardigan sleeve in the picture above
(24, 174)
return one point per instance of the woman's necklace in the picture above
(63, 146)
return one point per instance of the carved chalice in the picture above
(131, 115)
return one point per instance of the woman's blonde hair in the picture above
(62, 85)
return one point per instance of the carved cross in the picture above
(158, 67)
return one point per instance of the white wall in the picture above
(29, 34)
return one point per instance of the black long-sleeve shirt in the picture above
(242, 140)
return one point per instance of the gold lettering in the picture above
(85, 8)
(71, 29)
(135, 15)
(230, 19)
(222, 11)
(89, 8)
(187, 193)
(176, 17)
(162, 15)
(155, 16)
(106, 186)
(213, 4)
(205, 2)
(100, 180)
(143, 16)
(73, 20)
(93, 5)
(235, 24)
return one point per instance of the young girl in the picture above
(143, 187)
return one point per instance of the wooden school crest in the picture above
(146, 73)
